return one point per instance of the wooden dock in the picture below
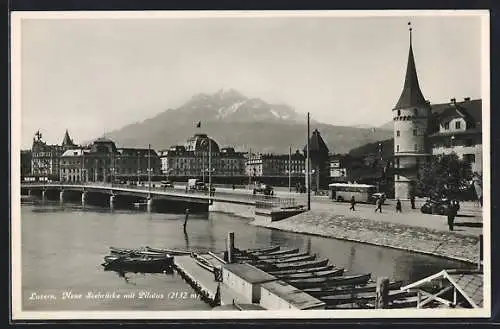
(203, 281)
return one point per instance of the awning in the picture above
(468, 283)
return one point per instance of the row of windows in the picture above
(415, 147)
(415, 112)
(415, 133)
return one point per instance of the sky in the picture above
(92, 76)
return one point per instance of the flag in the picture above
(198, 125)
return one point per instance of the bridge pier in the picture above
(43, 195)
(29, 192)
(61, 196)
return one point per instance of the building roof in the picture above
(67, 141)
(411, 96)
(201, 143)
(317, 144)
(249, 273)
(470, 108)
(74, 152)
(292, 295)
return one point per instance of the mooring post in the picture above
(111, 201)
(84, 198)
(382, 292)
(149, 204)
(230, 247)
(186, 218)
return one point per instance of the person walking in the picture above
(379, 205)
(452, 212)
(412, 201)
(398, 205)
(353, 203)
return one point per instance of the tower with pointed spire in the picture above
(411, 120)
(67, 142)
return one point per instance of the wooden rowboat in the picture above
(139, 253)
(319, 292)
(293, 266)
(279, 257)
(138, 264)
(291, 260)
(329, 282)
(305, 270)
(365, 297)
(277, 253)
(263, 250)
(168, 251)
(321, 274)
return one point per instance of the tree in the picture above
(445, 175)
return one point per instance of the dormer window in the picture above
(446, 126)
(457, 125)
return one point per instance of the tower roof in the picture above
(67, 140)
(316, 144)
(411, 96)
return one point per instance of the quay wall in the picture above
(451, 245)
(236, 209)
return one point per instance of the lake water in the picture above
(63, 247)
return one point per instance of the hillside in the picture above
(235, 120)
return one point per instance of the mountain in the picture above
(244, 123)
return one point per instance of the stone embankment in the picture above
(459, 245)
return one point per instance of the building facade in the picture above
(45, 157)
(104, 162)
(199, 155)
(422, 130)
(275, 165)
(25, 163)
(457, 129)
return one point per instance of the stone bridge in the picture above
(142, 196)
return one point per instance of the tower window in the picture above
(457, 125)
(397, 162)
(397, 148)
(414, 132)
(398, 133)
(399, 113)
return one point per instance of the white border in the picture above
(18, 314)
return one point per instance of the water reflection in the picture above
(63, 248)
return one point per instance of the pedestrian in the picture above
(379, 205)
(412, 201)
(452, 212)
(234, 187)
(398, 205)
(353, 203)
(186, 219)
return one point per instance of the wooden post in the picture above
(382, 292)
(230, 247)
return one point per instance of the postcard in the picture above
(250, 165)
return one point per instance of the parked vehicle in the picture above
(344, 192)
(263, 189)
(166, 184)
(439, 207)
(375, 196)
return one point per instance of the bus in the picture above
(344, 192)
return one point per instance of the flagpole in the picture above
(209, 166)
(308, 183)
(149, 168)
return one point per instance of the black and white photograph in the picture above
(250, 164)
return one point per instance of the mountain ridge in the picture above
(232, 119)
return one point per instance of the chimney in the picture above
(466, 99)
